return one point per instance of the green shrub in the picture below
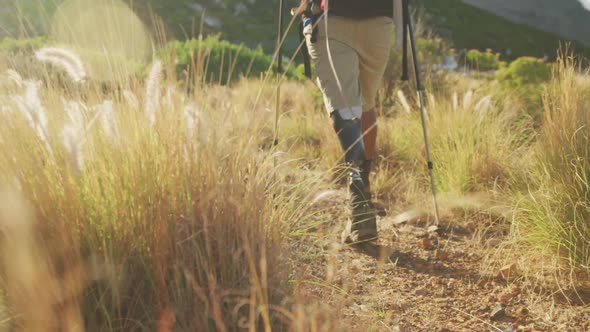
(219, 61)
(14, 46)
(526, 77)
(431, 50)
(483, 61)
(525, 71)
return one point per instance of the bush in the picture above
(526, 77)
(525, 72)
(553, 207)
(21, 46)
(219, 61)
(483, 61)
(431, 50)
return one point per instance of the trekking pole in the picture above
(279, 75)
(420, 88)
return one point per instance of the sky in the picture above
(585, 3)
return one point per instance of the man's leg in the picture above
(343, 100)
(369, 126)
(363, 226)
(373, 52)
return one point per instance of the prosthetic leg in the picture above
(363, 224)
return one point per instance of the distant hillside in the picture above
(566, 18)
(471, 27)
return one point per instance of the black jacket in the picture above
(362, 8)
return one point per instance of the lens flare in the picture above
(111, 40)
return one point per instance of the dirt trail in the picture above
(413, 280)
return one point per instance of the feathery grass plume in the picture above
(483, 105)
(15, 77)
(73, 140)
(76, 112)
(60, 63)
(108, 121)
(68, 55)
(4, 106)
(194, 122)
(152, 92)
(131, 99)
(170, 96)
(432, 101)
(32, 109)
(323, 196)
(468, 99)
(403, 101)
(65, 59)
(455, 101)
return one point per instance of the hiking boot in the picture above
(378, 208)
(362, 227)
(365, 172)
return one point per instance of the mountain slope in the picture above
(471, 27)
(566, 18)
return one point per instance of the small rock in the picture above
(421, 292)
(516, 291)
(451, 283)
(360, 308)
(426, 244)
(484, 308)
(405, 217)
(433, 229)
(402, 306)
(421, 235)
(498, 313)
(398, 280)
(441, 255)
(441, 300)
(508, 271)
(494, 243)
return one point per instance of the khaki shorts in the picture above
(359, 50)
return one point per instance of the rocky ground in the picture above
(459, 279)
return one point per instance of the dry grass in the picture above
(135, 218)
(553, 206)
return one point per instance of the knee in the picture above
(339, 123)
